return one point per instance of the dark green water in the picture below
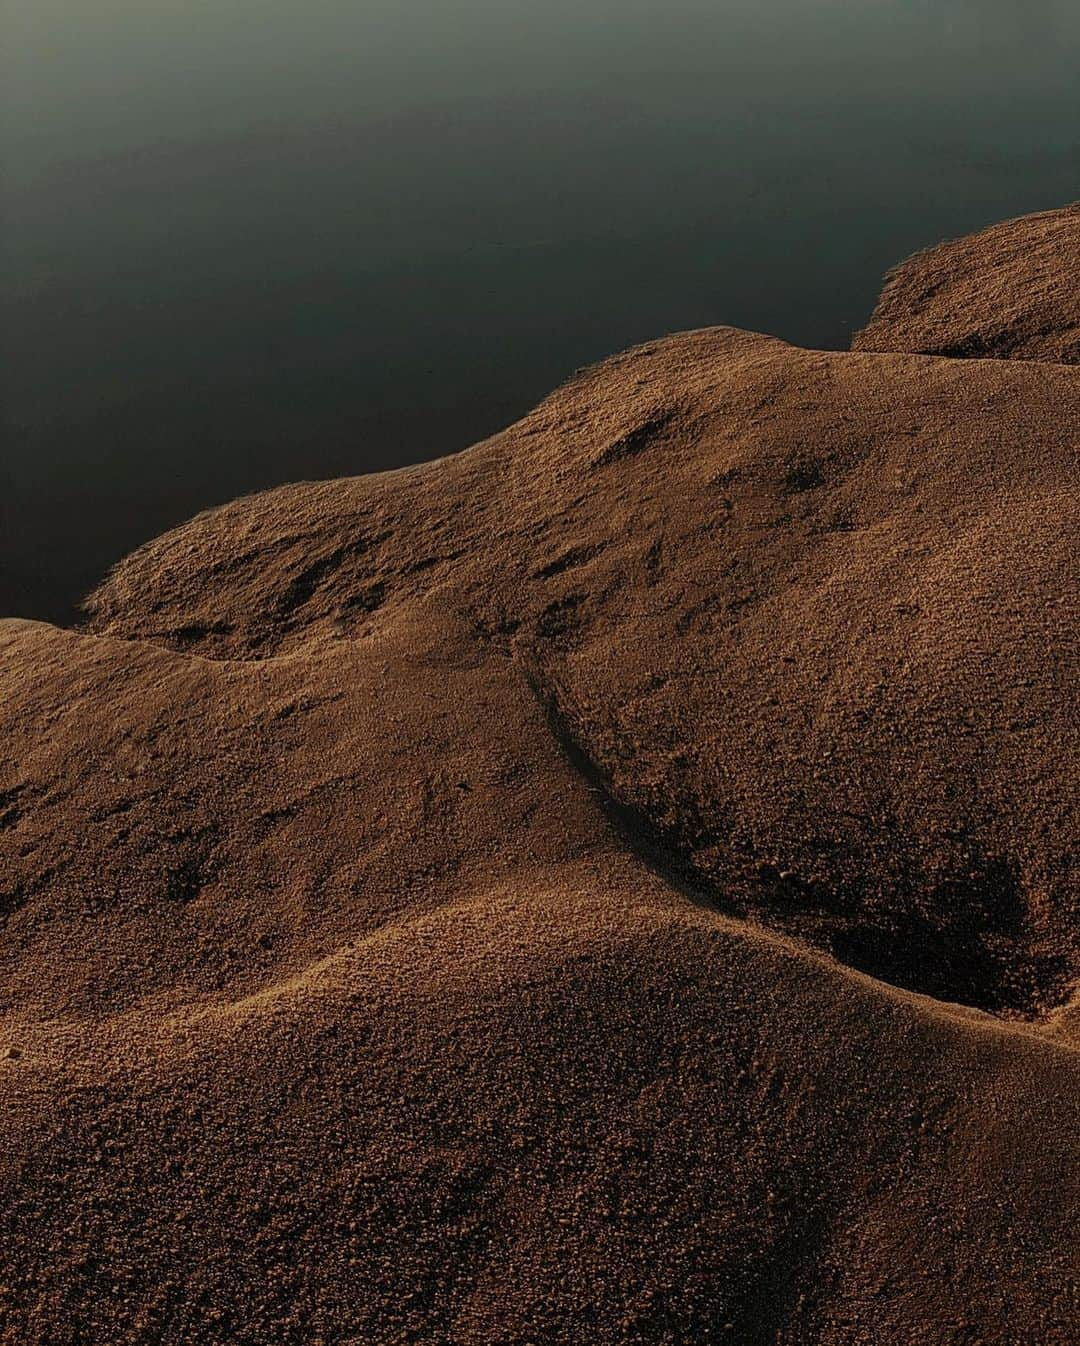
(251, 241)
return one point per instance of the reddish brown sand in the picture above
(1010, 292)
(615, 885)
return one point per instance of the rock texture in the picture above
(616, 884)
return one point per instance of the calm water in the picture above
(251, 241)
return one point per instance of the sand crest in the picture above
(617, 884)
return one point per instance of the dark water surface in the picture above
(252, 241)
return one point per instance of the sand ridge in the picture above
(615, 884)
(1010, 292)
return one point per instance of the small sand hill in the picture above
(613, 885)
(1011, 292)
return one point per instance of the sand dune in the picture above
(1011, 292)
(617, 884)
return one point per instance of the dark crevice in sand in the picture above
(955, 964)
(629, 824)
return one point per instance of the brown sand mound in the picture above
(789, 609)
(1010, 292)
(614, 885)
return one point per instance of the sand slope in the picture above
(614, 885)
(1010, 292)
